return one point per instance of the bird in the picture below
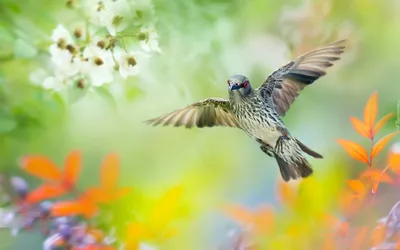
(259, 111)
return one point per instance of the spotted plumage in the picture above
(258, 111)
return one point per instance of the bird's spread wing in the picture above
(207, 113)
(284, 85)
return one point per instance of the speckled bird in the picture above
(258, 111)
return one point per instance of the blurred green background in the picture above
(203, 42)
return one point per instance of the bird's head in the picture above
(239, 86)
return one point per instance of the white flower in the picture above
(99, 65)
(113, 14)
(61, 52)
(61, 34)
(53, 83)
(129, 62)
(149, 39)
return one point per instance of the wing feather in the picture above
(207, 113)
(284, 85)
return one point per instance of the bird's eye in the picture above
(245, 84)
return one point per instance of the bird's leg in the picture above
(267, 149)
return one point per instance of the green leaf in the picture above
(7, 123)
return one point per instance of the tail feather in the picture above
(307, 150)
(300, 169)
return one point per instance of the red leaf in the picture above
(97, 195)
(382, 143)
(45, 191)
(72, 168)
(377, 174)
(357, 186)
(109, 172)
(382, 122)
(355, 150)
(66, 208)
(370, 111)
(361, 128)
(73, 208)
(41, 167)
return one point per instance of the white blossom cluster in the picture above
(113, 41)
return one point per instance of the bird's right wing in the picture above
(207, 113)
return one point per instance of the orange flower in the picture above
(107, 192)
(57, 182)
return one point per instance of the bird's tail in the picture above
(307, 150)
(294, 170)
(292, 164)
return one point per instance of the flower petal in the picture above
(45, 191)
(164, 209)
(355, 150)
(72, 168)
(371, 110)
(361, 128)
(381, 144)
(382, 122)
(41, 167)
(109, 172)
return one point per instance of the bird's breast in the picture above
(259, 121)
(260, 129)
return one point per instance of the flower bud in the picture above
(81, 83)
(141, 36)
(101, 44)
(98, 61)
(78, 32)
(131, 61)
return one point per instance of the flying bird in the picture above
(258, 111)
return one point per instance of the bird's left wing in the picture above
(284, 85)
(207, 113)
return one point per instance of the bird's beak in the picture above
(234, 86)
